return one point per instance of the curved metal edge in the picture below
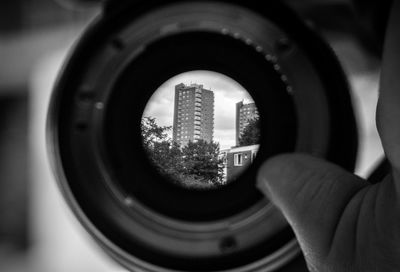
(57, 169)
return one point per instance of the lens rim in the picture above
(101, 220)
(125, 106)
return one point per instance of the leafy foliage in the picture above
(152, 133)
(201, 160)
(251, 133)
(194, 165)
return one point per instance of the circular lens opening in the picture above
(131, 166)
(200, 130)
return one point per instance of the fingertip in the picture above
(282, 166)
(275, 172)
(281, 176)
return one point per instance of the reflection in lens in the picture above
(201, 129)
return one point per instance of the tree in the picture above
(200, 160)
(151, 132)
(162, 151)
(167, 156)
(251, 133)
(195, 166)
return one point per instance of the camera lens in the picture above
(127, 76)
(124, 152)
(201, 136)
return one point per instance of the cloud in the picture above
(226, 138)
(161, 106)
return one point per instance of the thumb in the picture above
(312, 195)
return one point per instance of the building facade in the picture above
(244, 113)
(193, 114)
(236, 160)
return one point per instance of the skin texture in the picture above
(342, 222)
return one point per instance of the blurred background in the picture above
(37, 231)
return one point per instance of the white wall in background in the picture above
(60, 244)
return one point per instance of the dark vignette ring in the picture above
(105, 213)
(194, 51)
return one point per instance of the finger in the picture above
(388, 111)
(311, 194)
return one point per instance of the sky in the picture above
(227, 92)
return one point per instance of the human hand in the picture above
(342, 222)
